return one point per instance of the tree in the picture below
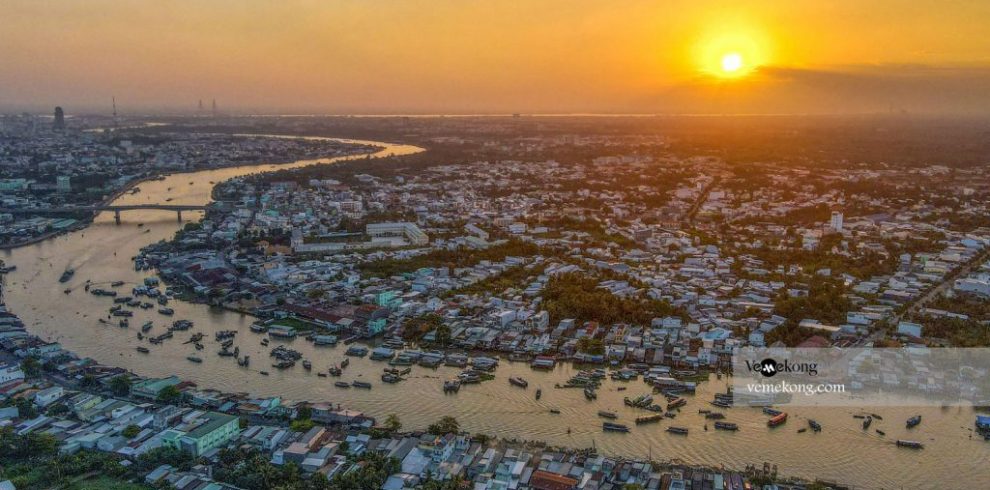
(169, 394)
(120, 385)
(131, 431)
(31, 366)
(446, 425)
(392, 423)
(301, 425)
(304, 412)
(443, 335)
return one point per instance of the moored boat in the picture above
(517, 381)
(913, 421)
(815, 426)
(910, 444)
(194, 359)
(605, 414)
(678, 430)
(649, 419)
(613, 427)
(726, 426)
(143, 350)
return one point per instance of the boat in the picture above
(589, 393)
(676, 403)
(726, 426)
(67, 290)
(166, 311)
(361, 384)
(777, 420)
(143, 350)
(802, 430)
(913, 421)
(613, 427)
(451, 386)
(66, 275)
(334, 371)
(876, 416)
(555, 411)
(263, 373)
(649, 419)
(539, 393)
(815, 426)
(147, 326)
(771, 412)
(322, 375)
(910, 444)
(866, 422)
(307, 365)
(881, 432)
(345, 363)
(605, 414)
(517, 381)
(678, 430)
(116, 284)
(342, 384)
(194, 359)
(124, 323)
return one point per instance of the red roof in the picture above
(544, 480)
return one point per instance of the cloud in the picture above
(839, 89)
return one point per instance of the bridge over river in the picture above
(116, 208)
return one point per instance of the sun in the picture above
(732, 63)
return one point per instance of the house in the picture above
(214, 430)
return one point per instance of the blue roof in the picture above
(983, 420)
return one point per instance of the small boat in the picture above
(124, 323)
(777, 420)
(143, 350)
(866, 422)
(342, 384)
(589, 393)
(66, 275)
(539, 393)
(322, 375)
(802, 430)
(555, 411)
(517, 381)
(307, 365)
(361, 384)
(726, 426)
(166, 311)
(116, 284)
(815, 426)
(678, 430)
(613, 427)
(67, 290)
(910, 444)
(876, 416)
(649, 419)
(881, 432)
(346, 362)
(605, 414)
(676, 403)
(147, 326)
(194, 359)
(263, 373)
(334, 371)
(771, 412)
(913, 421)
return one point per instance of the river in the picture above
(101, 253)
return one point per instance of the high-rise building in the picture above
(63, 183)
(59, 124)
(836, 221)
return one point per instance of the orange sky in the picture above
(463, 56)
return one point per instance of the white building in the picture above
(836, 222)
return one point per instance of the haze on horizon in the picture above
(497, 56)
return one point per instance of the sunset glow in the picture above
(490, 56)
